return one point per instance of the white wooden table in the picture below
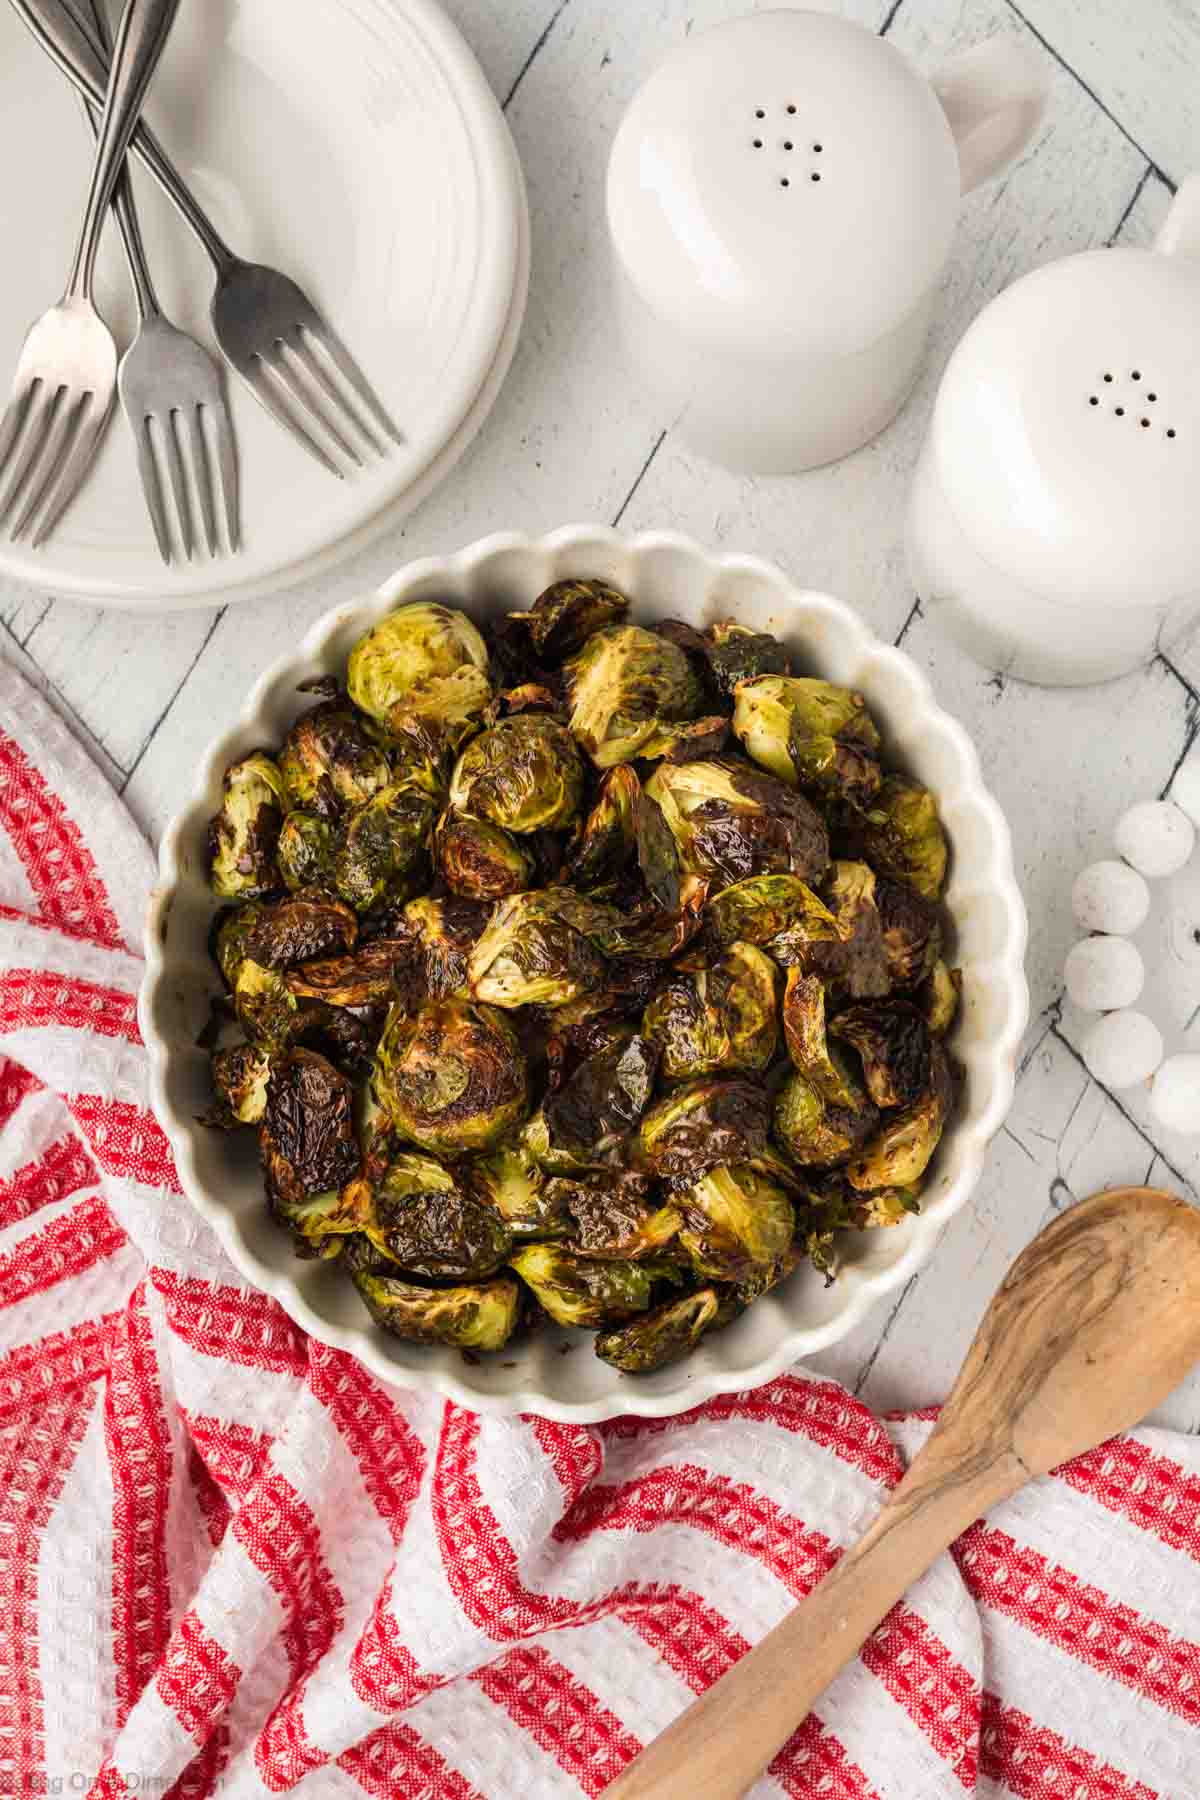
(572, 439)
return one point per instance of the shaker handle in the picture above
(1180, 234)
(994, 96)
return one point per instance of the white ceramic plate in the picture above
(352, 143)
(666, 576)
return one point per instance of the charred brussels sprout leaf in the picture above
(735, 1221)
(779, 913)
(308, 1139)
(525, 774)
(815, 1134)
(307, 848)
(423, 665)
(424, 1221)
(239, 1077)
(295, 930)
(443, 934)
(576, 1290)
(614, 1216)
(566, 615)
(900, 835)
(626, 688)
(809, 733)
(608, 839)
(941, 997)
(479, 861)
(912, 932)
(720, 1019)
(366, 977)
(329, 763)
(509, 1180)
(589, 1117)
(451, 1078)
(730, 822)
(477, 1316)
(701, 1125)
(893, 1042)
(664, 1335)
(536, 951)
(898, 1156)
(735, 653)
(856, 962)
(808, 1046)
(384, 846)
(267, 1010)
(243, 837)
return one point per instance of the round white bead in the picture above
(1175, 1096)
(1104, 973)
(1110, 896)
(1122, 1049)
(1156, 837)
(1185, 789)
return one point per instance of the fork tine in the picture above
(327, 338)
(227, 469)
(333, 395)
(257, 374)
(39, 420)
(152, 489)
(302, 395)
(74, 467)
(57, 443)
(178, 480)
(14, 417)
(203, 475)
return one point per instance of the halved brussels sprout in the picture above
(309, 1145)
(809, 733)
(941, 997)
(588, 1118)
(525, 774)
(700, 1125)
(736, 653)
(893, 1041)
(366, 977)
(239, 1076)
(424, 664)
(452, 1078)
(323, 1224)
(384, 846)
(267, 1010)
(424, 1221)
(297, 929)
(476, 1316)
(479, 861)
(615, 1216)
(900, 834)
(912, 932)
(722, 1018)
(306, 851)
(533, 952)
(857, 962)
(328, 762)
(509, 1179)
(734, 1222)
(808, 1046)
(230, 939)
(815, 1134)
(729, 821)
(898, 1156)
(577, 1290)
(626, 688)
(443, 933)
(243, 837)
(779, 913)
(566, 615)
(664, 1335)
(608, 839)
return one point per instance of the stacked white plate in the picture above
(354, 144)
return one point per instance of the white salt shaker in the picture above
(1053, 526)
(782, 194)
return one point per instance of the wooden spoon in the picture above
(1095, 1323)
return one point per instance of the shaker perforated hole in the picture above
(1122, 401)
(784, 145)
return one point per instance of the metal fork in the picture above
(293, 361)
(168, 383)
(66, 378)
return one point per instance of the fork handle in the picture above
(85, 63)
(124, 204)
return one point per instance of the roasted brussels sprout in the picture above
(533, 952)
(328, 762)
(367, 977)
(810, 733)
(626, 688)
(941, 997)
(384, 846)
(588, 1118)
(566, 615)
(721, 1019)
(308, 1139)
(804, 1027)
(426, 1222)
(509, 1179)
(608, 839)
(779, 913)
(665, 1335)
(525, 774)
(734, 1221)
(912, 932)
(297, 929)
(424, 663)
(700, 1125)
(900, 835)
(893, 1041)
(479, 861)
(306, 851)
(579, 1290)
(479, 1316)
(735, 653)
(729, 821)
(239, 1076)
(816, 1134)
(451, 1077)
(443, 934)
(323, 1224)
(233, 929)
(243, 837)
(267, 1010)
(856, 962)
(614, 1215)
(898, 1156)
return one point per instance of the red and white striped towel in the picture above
(232, 1563)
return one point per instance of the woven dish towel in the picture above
(232, 1563)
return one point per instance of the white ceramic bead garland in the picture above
(1104, 973)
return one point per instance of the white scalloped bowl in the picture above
(666, 576)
